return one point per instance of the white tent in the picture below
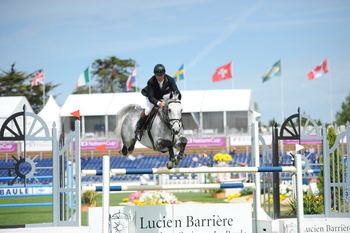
(10, 105)
(50, 114)
(210, 110)
(192, 101)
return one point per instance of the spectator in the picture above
(316, 158)
(233, 151)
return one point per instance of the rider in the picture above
(157, 86)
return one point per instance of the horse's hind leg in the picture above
(124, 150)
(182, 145)
(162, 143)
(132, 146)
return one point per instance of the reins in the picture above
(167, 121)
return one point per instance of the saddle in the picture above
(150, 118)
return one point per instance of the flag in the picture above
(222, 73)
(275, 70)
(131, 79)
(84, 78)
(318, 71)
(180, 74)
(37, 78)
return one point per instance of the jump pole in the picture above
(127, 171)
(168, 187)
(105, 195)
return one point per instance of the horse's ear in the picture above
(171, 95)
(179, 96)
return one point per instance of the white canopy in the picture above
(192, 101)
(50, 114)
(10, 105)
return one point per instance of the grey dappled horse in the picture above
(166, 130)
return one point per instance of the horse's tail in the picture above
(121, 116)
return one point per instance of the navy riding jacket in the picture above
(153, 91)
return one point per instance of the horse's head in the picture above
(173, 111)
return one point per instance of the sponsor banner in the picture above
(303, 142)
(194, 218)
(25, 190)
(8, 147)
(198, 142)
(84, 145)
(91, 145)
(42, 190)
(38, 146)
(321, 225)
(247, 140)
(15, 191)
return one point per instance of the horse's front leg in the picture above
(181, 143)
(160, 145)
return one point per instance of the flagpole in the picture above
(44, 95)
(282, 93)
(330, 91)
(233, 77)
(282, 100)
(184, 78)
(89, 80)
(136, 79)
(44, 90)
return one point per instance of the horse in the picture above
(162, 133)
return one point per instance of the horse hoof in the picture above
(170, 165)
(178, 161)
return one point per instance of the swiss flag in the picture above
(318, 71)
(222, 73)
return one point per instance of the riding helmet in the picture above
(159, 69)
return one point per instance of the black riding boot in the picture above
(140, 122)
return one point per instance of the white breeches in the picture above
(149, 107)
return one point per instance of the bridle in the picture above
(170, 122)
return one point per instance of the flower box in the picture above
(218, 195)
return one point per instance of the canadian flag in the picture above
(318, 71)
(222, 73)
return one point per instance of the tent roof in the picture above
(50, 109)
(192, 101)
(50, 113)
(12, 104)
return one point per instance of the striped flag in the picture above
(84, 78)
(131, 80)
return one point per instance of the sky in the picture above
(65, 37)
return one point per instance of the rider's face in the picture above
(160, 77)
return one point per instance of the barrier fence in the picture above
(169, 187)
(106, 182)
(164, 170)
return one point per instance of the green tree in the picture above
(335, 168)
(111, 74)
(12, 84)
(343, 116)
(86, 90)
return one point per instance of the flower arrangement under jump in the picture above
(151, 198)
(222, 157)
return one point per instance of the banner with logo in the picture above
(91, 145)
(198, 142)
(179, 218)
(8, 147)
